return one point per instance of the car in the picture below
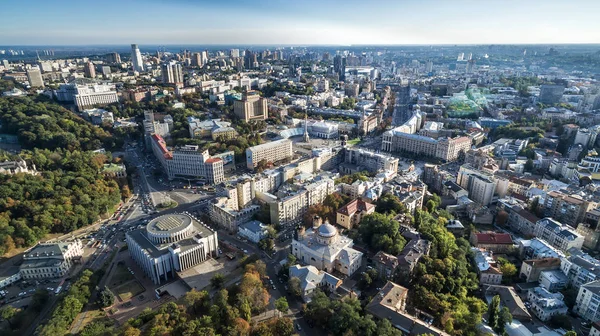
(274, 288)
(298, 327)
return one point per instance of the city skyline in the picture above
(308, 23)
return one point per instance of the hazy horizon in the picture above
(310, 22)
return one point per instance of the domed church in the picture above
(326, 249)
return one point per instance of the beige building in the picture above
(350, 214)
(50, 260)
(188, 162)
(273, 151)
(34, 76)
(251, 107)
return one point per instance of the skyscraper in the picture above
(88, 70)
(197, 60)
(34, 76)
(339, 66)
(172, 73)
(113, 58)
(234, 53)
(136, 58)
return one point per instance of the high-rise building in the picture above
(172, 73)
(89, 70)
(197, 60)
(136, 58)
(113, 58)
(470, 66)
(551, 94)
(233, 53)
(251, 107)
(429, 66)
(339, 66)
(34, 76)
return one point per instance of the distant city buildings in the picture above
(136, 59)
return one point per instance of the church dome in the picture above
(327, 230)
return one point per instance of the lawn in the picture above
(128, 290)
(120, 276)
(354, 142)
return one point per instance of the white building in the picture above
(87, 95)
(488, 273)
(324, 248)
(273, 151)
(136, 58)
(10, 279)
(544, 304)
(171, 243)
(580, 268)
(311, 279)
(50, 260)
(558, 235)
(254, 231)
(587, 304)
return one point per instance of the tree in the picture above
(390, 203)
(7, 313)
(493, 312)
(503, 318)
(217, 281)
(528, 165)
(570, 333)
(380, 232)
(283, 326)
(106, 297)
(507, 268)
(197, 301)
(294, 286)
(281, 305)
(560, 321)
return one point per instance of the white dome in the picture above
(327, 230)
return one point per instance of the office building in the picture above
(98, 116)
(339, 67)
(359, 159)
(90, 96)
(171, 243)
(214, 128)
(187, 162)
(551, 94)
(271, 152)
(50, 260)
(89, 70)
(558, 235)
(352, 90)
(327, 250)
(172, 73)
(34, 76)
(136, 58)
(251, 107)
(403, 139)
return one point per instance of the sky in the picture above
(298, 22)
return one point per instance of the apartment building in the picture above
(481, 186)
(558, 235)
(188, 162)
(251, 107)
(487, 269)
(531, 269)
(580, 268)
(567, 209)
(228, 218)
(272, 152)
(545, 304)
(291, 203)
(587, 304)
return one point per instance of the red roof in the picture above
(494, 238)
(355, 206)
(213, 160)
